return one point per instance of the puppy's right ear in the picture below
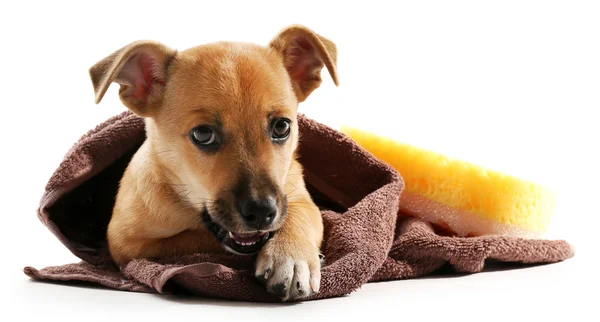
(304, 54)
(141, 70)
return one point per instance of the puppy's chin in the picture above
(234, 242)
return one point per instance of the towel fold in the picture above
(366, 238)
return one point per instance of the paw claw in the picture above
(279, 289)
(261, 278)
(264, 276)
(289, 276)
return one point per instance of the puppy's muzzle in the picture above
(257, 214)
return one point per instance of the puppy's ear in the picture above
(140, 69)
(304, 55)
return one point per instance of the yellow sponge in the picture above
(468, 199)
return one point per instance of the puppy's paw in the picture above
(289, 271)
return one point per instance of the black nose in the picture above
(258, 214)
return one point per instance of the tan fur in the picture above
(170, 181)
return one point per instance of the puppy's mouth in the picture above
(246, 243)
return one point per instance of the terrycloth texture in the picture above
(366, 239)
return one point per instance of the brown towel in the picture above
(366, 239)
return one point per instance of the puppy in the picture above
(218, 170)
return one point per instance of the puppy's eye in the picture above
(204, 135)
(281, 130)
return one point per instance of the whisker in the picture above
(201, 203)
(290, 198)
(202, 200)
(168, 183)
(161, 152)
(299, 202)
(289, 193)
(188, 193)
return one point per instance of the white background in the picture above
(512, 85)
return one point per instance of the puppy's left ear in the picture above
(304, 55)
(140, 69)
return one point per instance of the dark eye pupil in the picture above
(281, 129)
(204, 135)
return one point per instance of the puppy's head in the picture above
(221, 121)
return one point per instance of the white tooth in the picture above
(231, 235)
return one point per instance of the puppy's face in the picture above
(222, 123)
(227, 131)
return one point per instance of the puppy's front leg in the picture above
(289, 263)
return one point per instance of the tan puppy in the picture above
(218, 170)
